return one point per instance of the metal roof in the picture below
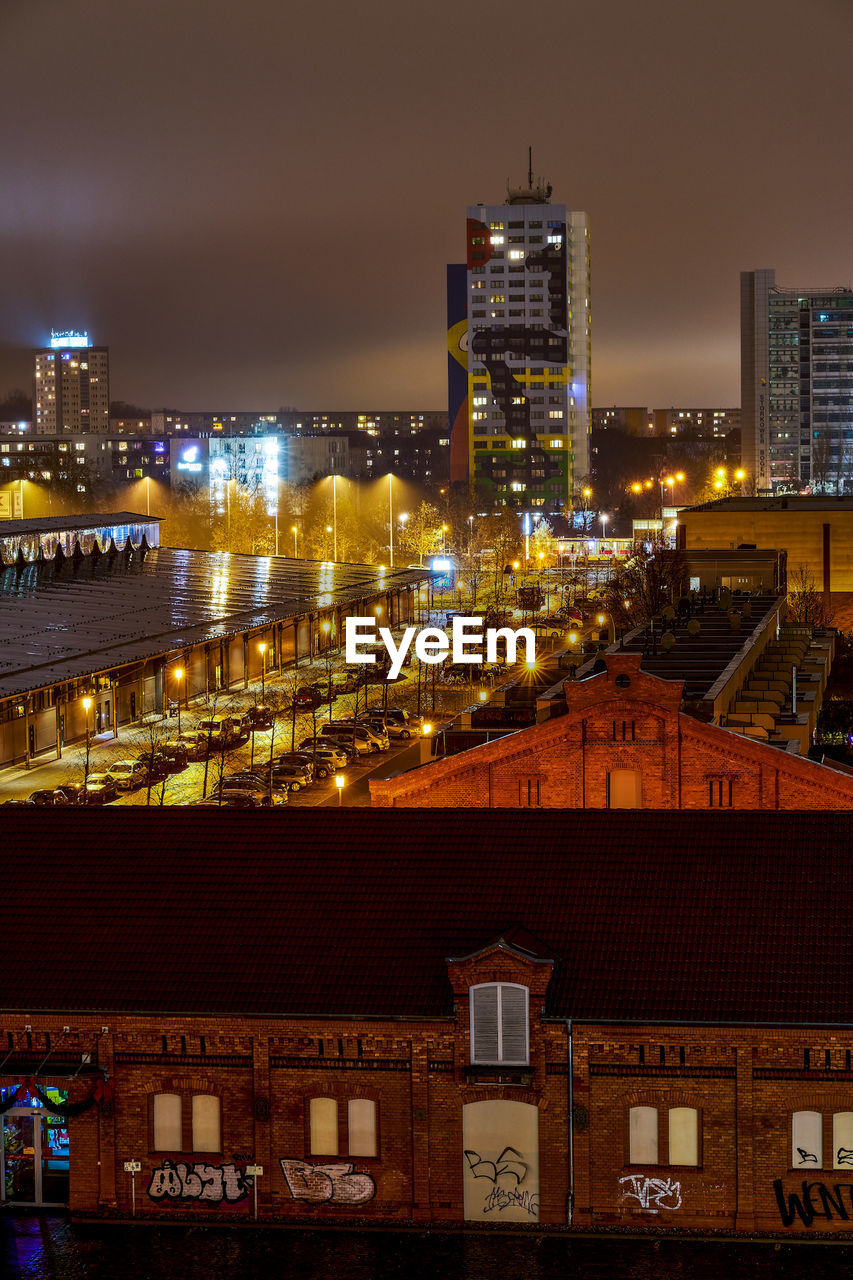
(68, 623)
(62, 524)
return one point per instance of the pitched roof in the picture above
(694, 916)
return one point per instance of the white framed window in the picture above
(842, 1140)
(500, 1023)
(323, 1126)
(807, 1140)
(643, 1135)
(167, 1122)
(207, 1122)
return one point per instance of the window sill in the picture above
(498, 1073)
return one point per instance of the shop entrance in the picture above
(34, 1157)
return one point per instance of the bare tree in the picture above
(806, 605)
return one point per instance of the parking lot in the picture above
(436, 700)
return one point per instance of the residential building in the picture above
(712, 424)
(619, 1023)
(634, 420)
(528, 302)
(796, 385)
(71, 391)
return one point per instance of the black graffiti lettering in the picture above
(508, 1164)
(792, 1206)
(844, 1156)
(805, 1156)
(499, 1199)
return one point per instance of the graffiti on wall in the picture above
(320, 1183)
(511, 1166)
(814, 1200)
(651, 1193)
(210, 1183)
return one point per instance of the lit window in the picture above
(683, 1135)
(519, 444)
(361, 1126)
(206, 1122)
(842, 1140)
(556, 444)
(323, 1124)
(167, 1122)
(643, 1135)
(807, 1140)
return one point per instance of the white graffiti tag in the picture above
(209, 1182)
(651, 1193)
(319, 1183)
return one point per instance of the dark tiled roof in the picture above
(691, 916)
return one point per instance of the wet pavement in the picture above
(49, 1247)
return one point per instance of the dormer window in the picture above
(499, 1024)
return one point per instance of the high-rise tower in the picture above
(529, 348)
(72, 386)
(796, 385)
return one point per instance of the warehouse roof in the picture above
(68, 621)
(689, 916)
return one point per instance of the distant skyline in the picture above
(254, 207)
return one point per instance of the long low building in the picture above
(92, 606)
(596, 1020)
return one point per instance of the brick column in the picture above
(107, 1130)
(745, 1134)
(419, 1099)
(262, 1128)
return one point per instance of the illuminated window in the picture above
(807, 1140)
(361, 1127)
(520, 443)
(167, 1122)
(643, 1135)
(206, 1122)
(683, 1135)
(323, 1124)
(556, 444)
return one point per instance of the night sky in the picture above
(253, 204)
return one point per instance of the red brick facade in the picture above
(621, 720)
(582, 1081)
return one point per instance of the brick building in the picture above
(621, 1020)
(621, 741)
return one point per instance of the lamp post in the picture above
(390, 520)
(339, 783)
(262, 649)
(87, 707)
(334, 517)
(295, 533)
(179, 675)
(603, 526)
(148, 495)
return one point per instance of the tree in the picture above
(637, 591)
(16, 406)
(806, 605)
(423, 531)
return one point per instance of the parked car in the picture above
(261, 717)
(155, 764)
(296, 757)
(358, 738)
(100, 789)
(292, 776)
(240, 798)
(230, 787)
(194, 743)
(255, 778)
(378, 740)
(412, 722)
(48, 799)
(307, 698)
(393, 728)
(73, 791)
(127, 774)
(239, 728)
(338, 753)
(176, 753)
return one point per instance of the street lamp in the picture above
(603, 526)
(334, 517)
(390, 520)
(295, 532)
(262, 649)
(178, 673)
(340, 779)
(87, 707)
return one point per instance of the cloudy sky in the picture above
(253, 204)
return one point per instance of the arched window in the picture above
(683, 1135)
(842, 1140)
(361, 1126)
(206, 1122)
(323, 1123)
(643, 1135)
(167, 1122)
(807, 1140)
(499, 1023)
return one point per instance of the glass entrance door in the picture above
(34, 1157)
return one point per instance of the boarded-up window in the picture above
(807, 1140)
(624, 789)
(643, 1135)
(528, 793)
(167, 1122)
(842, 1140)
(206, 1122)
(323, 1123)
(361, 1123)
(683, 1135)
(499, 1031)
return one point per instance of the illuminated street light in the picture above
(295, 532)
(340, 780)
(262, 649)
(87, 707)
(178, 673)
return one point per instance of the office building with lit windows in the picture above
(71, 385)
(796, 386)
(528, 307)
